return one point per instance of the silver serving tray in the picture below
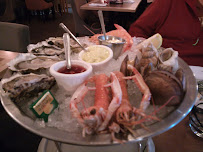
(105, 139)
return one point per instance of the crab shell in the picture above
(164, 85)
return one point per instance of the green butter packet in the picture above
(44, 105)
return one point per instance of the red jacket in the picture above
(177, 22)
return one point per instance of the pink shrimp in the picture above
(119, 32)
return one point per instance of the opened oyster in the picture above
(20, 87)
(57, 41)
(29, 62)
(75, 48)
(48, 47)
(46, 51)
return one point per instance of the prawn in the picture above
(97, 117)
(126, 114)
(119, 32)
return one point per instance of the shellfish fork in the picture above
(68, 31)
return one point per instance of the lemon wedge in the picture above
(156, 41)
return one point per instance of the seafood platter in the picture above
(144, 92)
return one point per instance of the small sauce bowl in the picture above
(114, 42)
(70, 81)
(101, 60)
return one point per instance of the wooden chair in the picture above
(61, 6)
(7, 13)
(40, 6)
(14, 37)
(81, 28)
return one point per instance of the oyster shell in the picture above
(45, 48)
(57, 41)
(75, 48)
(54, 46)
(45, 51)
(20, 87)
(29, 62)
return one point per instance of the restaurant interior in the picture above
(44, 23)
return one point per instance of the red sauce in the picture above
(74, 69)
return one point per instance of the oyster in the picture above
(46, 51)
(75, 48)
(45, 48)
(57, 41)
(20, 87)
(29, 62)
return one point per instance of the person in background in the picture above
(180, 24)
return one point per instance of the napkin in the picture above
(97, 4)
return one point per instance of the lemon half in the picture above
(156, 41)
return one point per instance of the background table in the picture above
(125, 7)
(122, 14)
(180, 138)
